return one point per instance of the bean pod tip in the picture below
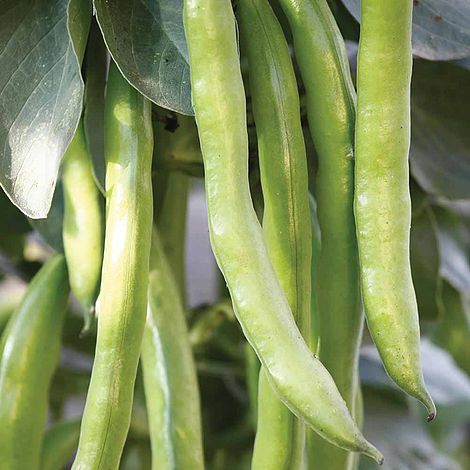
(428, 402)
(375, 454)
(431, 407)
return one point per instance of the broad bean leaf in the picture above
(40, 95)
(146, 40)
(440, 147)
(441, 29)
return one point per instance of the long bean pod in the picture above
(83, 224)
(280, 436)
(321, 55)
(30, 352)
(59, 443)
(298, 377)
(122, 303)
(382, 195)
(170, 381)
(171, 192)
(172, 219)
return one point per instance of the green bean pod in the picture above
(300, 379)
(122, 303)
(382, 195)
(172, 205)
(83, 224)
(170, 380)
(30, 352)
(330, 94)
(280, 436)
(59, 443)
(176, 152)
(172, 219)
(252, 370)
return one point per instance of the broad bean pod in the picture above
(261, 307)
(280, 436)
(58, 445)
(175, 146)
(382, 194)
(122, 303)
(170, 380)
(320, 53)
(83, 226)
(29, 353)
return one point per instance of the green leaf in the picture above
(440, 148)
(40, 97)
(441, 29)
(146, 40)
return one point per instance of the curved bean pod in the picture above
(170, 380)
(382, 195)
(299, 378)
(321, 55)
(280, 437)
(83, 224)
(29, 355)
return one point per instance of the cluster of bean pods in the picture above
(300, 281)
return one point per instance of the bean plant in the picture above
(330, 140)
